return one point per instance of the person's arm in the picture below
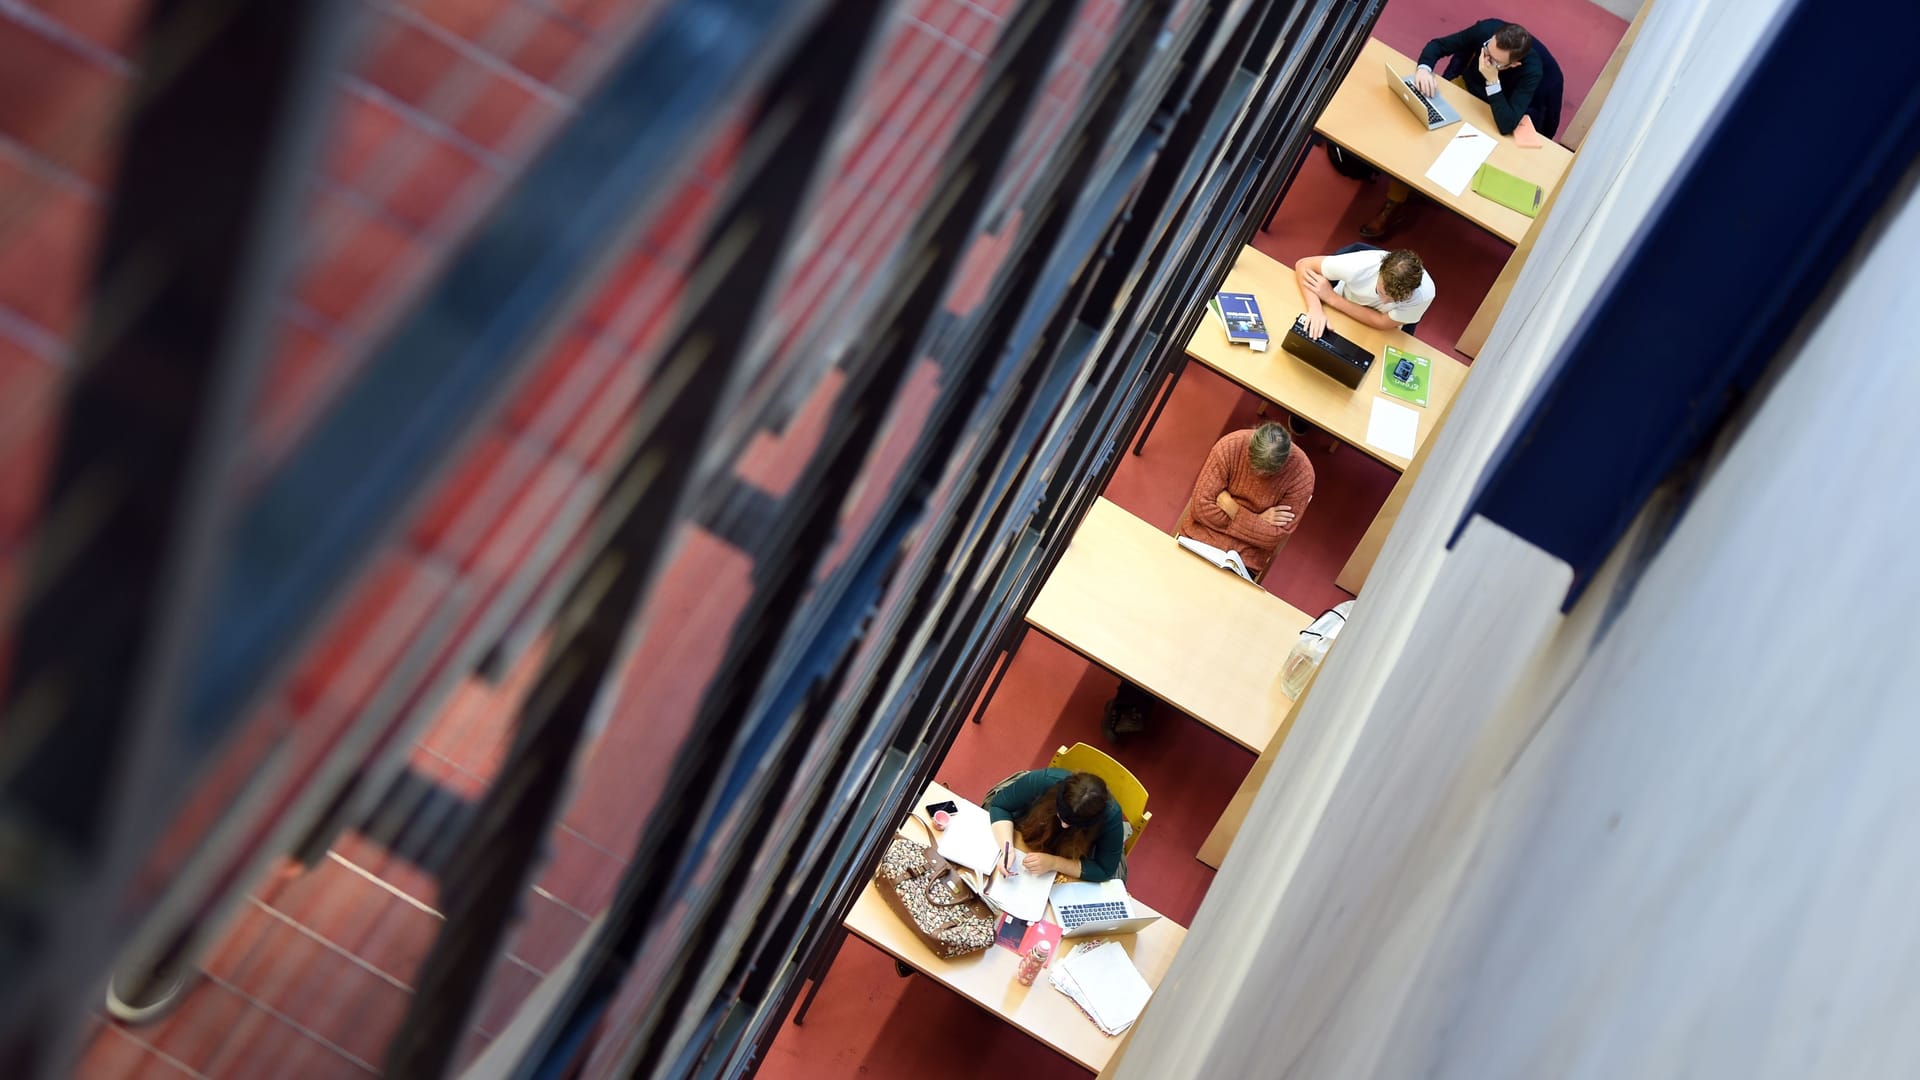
(1011, 802)
(1311, 276)
(1297, 495)
(1447, 46)
(1331, 268)
(1510, 94)
(1360, 313)
(1207, 489)
(1103, 862)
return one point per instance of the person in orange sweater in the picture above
(1250, 494)
(1249, 497)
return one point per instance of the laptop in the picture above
(1433, 112)
(1084, 909)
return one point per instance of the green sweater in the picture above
(1012, 802)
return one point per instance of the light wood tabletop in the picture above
(1303, 390)
(1199, 638)
(987, 979)
(1366, 118)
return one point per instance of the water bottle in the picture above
(1031, 963)
(1311, 648)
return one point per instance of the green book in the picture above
(1508, 190)
(1413, 389)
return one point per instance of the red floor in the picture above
(867, 1021)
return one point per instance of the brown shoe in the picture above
(1384, 222)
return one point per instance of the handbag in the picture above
(929, 896)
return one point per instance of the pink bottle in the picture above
(1031, 963)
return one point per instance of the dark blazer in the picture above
(1532, 89)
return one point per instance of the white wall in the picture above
(1494, 848)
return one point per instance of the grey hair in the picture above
(1269, 449)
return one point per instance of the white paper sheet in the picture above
(1466, 151)
(1109, 986)
(969, 840)
(1022, 895)
(1393, 427)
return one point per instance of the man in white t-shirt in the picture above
(1386, 290)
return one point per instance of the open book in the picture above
(1225, 560)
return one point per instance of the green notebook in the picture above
(1508, 190)
(1413, 390)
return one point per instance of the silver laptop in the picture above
(1433, 112)
(1084, 909)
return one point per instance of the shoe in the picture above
(1384, 222)
(1300, 428)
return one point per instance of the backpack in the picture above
(1349, 164)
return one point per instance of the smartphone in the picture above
(949, 806)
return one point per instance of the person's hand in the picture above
(1489, 70)
(1226, 504)
(1316, 323)
(1279, 517)
(1039, 862)
(1011, 864)
(1424, 81)
(1317, 284)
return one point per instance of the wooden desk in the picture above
(986, 979)
(1292, 384)
(1197, 637)
(1366, 118)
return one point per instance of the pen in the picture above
(1006, 856)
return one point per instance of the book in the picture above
(1009, 932)
(1526, 136)
(1224, 559)
(1508, 190)
(1419, 376)
(1245, 325)
(1038, 932)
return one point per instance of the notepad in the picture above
(1507, 189)
(1465, 151)
(1393, 427)
(1022, 895)
(968, 839)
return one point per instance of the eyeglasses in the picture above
(1486, 53)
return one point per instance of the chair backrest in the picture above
(1125, 790)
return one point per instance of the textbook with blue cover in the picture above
(1245, 326)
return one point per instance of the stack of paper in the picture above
(1101, 979)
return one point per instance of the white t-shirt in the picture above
(1358, 275)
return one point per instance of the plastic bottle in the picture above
(1311, 648)
(1031, 963)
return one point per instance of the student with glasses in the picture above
(1068, 821)
(1501, 64)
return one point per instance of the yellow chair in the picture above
(1120, 783)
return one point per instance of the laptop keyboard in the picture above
(1101, 911)
(1433, 114)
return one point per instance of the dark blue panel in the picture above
(1795, 165)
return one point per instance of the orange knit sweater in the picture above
(1227, 469)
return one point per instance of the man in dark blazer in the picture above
(1501, 64)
